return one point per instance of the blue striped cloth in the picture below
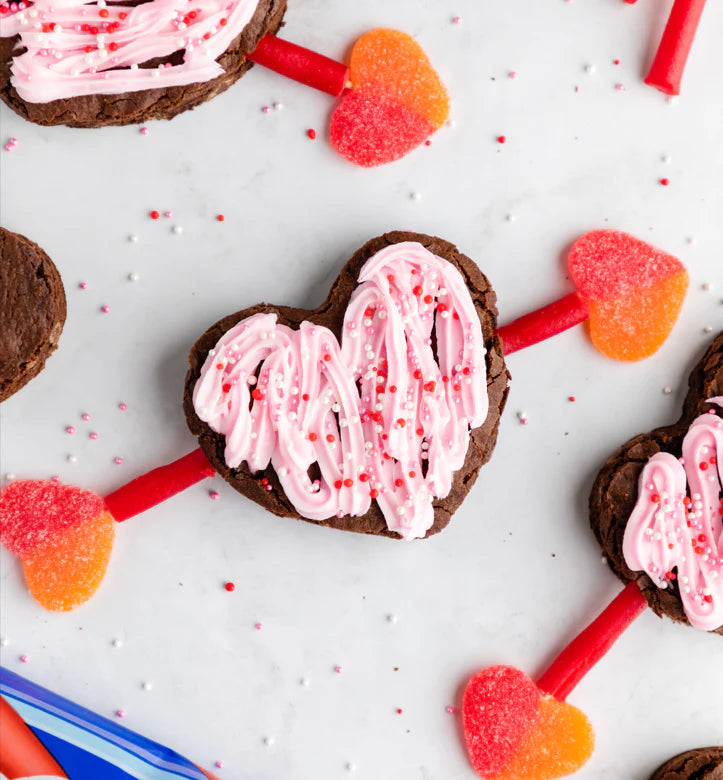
(88, 746)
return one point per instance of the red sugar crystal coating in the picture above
(499, 709)
(33, 512)
(370, 129)
(609, 264)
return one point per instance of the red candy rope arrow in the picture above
(666, 72)
(517, 728)
(591, 644)
(544, 323)
(158, 485)
(302, 65)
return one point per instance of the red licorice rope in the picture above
(158, 485)
(666, 72)
(589, 646)
(300, 64)
(543, 323)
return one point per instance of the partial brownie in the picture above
(32, 310)
(134, 107)
(699, 764)
(615, 491)
(331, 315)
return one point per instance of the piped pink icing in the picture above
(679, 526)
(77, 47)
(382, 416)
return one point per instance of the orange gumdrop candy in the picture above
(559, 743)
(65, 571)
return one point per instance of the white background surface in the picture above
(517, 572)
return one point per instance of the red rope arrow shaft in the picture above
(544, 323)
(589, 646)
(158, 485)
(666, 72)
(300, 64)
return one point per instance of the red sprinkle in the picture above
(230, 587)
(154, 214)
(220, 217)
(311, 133)
(501, 139)
(665, 182)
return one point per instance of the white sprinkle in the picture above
(415, 195)
(117, 643)
(590, 68)
(71, 459)
(268, 741)
(147, 686)
(667, 390)
(392, 618)
(4, 642)
(133, 238)
(133, 277)
(178, 229)
(666, 158)
(707, 286)
(305, 681)
(278, 106)
(351, 766)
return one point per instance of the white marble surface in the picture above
(517, 572)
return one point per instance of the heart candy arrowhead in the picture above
(397, 100)
(515, 732)
(634, 292)
(62, 534)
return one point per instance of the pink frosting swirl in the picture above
(77, 47)
(676, 528)
(382, 416)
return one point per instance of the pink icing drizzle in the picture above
(381, 416)
(77, 47)
(674, 526)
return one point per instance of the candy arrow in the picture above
(630, 291)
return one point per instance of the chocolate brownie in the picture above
(331, 315)
(32, 310)
(699, 764)
(132, 107)
(615, 491)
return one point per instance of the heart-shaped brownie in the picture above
(698, 764)
(373, 412)
(32, 310)
(93, 65)
(656, 506)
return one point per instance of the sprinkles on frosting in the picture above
(76, 47)
(675, 532)
(386, 415)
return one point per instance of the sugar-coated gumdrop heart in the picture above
(634, 292)
(396, 103)
(63, 535)
(514, 732)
